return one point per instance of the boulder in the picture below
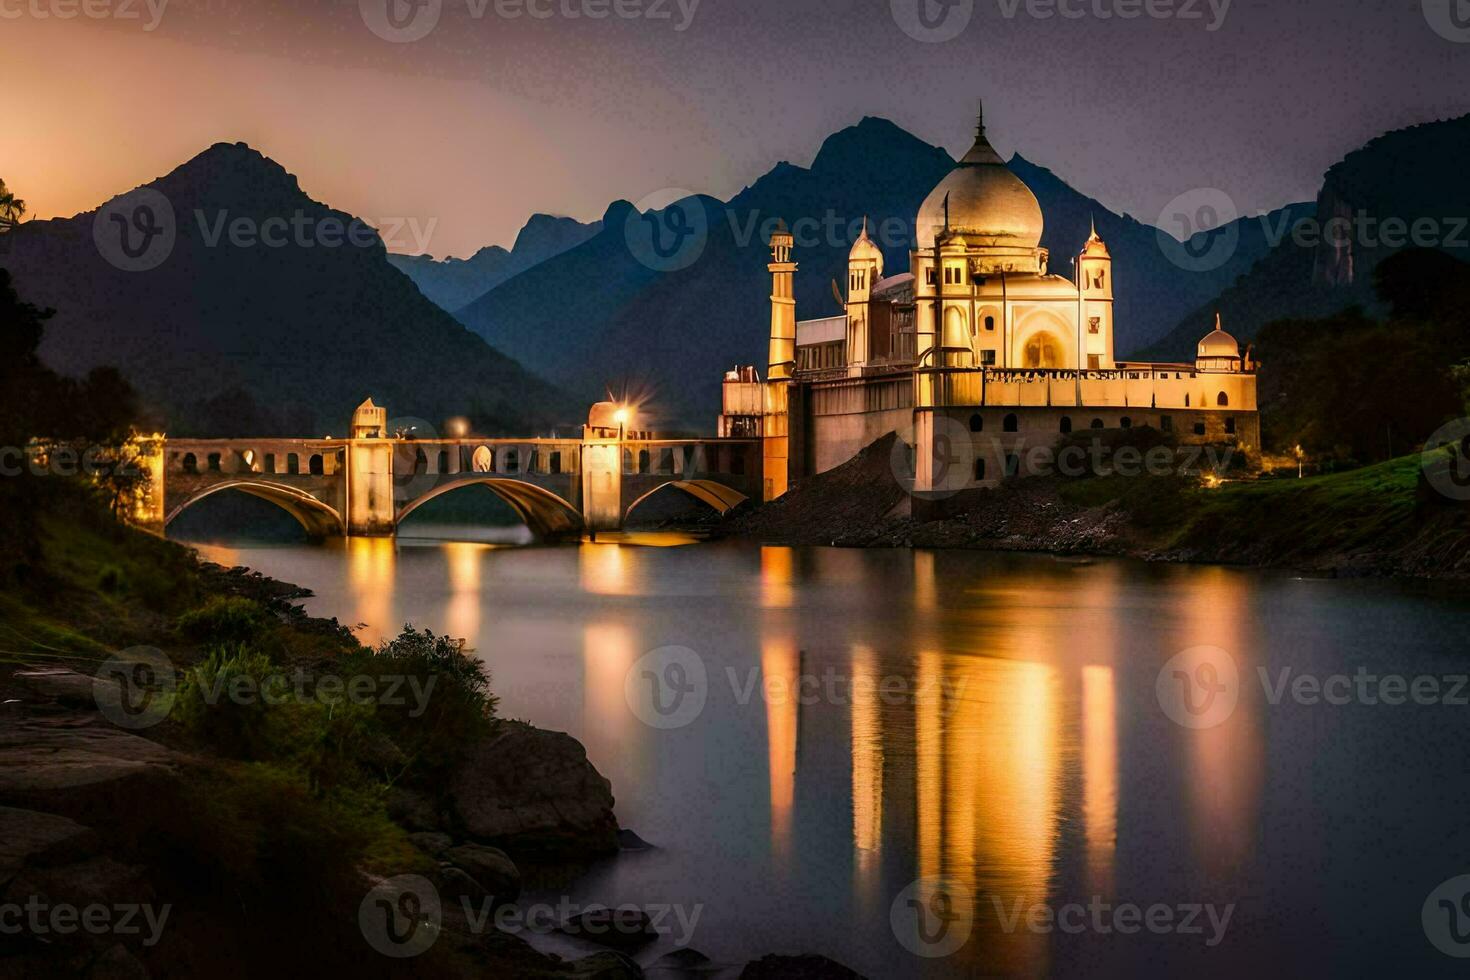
(412, 810)
(432, 844)
(453, 884)
(629, 841)
(805, 967)
(59, 684)
(38, 840)
(606, 965)
(490, 866)
(529, 790)
(80, 766)
(98, 880)
(625, 927)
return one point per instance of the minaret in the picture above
(1095, 275)
(864, 269)
(783, 305)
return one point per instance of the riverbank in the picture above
(259, 782)
(1383, 520)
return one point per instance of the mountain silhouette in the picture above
(603, 316)
(265, 312)
(1407, 176)
(452, 283)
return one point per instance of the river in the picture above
(807, 733)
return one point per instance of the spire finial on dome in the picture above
(1092, 219)
(980, 121)
(865, 227)
(1217, 320)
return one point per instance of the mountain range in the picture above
(601, 315)
(452, 283)
(251, 309)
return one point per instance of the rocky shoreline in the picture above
(97, 817)
(862, 505)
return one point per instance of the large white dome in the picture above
(986, 201)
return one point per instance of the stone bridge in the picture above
(368, 484)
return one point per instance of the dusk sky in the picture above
(488, 118)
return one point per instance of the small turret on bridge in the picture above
(368, 483)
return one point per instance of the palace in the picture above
(977, 347)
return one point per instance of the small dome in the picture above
(986, 201)
(865, 250)
(1218, 343)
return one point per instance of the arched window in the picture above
(990, 323)
(214, 462)
(1066, 424)
(1230, 426)
(315, 464)
(512, 460)
(980, 469)
(190, 463)
(643, 461)
(1186, 401)
(420, 462)
(1222, 399)
(1097, 423)
(628, 461)
(555, 462)
(977, 424)
(1011, 424)
(443, 461)
(270, 463)
(293, 464)
(1199, 428)
(1126, 422)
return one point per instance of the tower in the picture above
(1095, 304)
(783, 305)
(864, 269)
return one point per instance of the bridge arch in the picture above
(319, 519)
(721, 498)
(543, 511)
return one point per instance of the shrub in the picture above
(219, 703)
(225, 619)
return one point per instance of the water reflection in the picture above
(1027, 756)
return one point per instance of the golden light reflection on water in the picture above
(776, 577)
(609, 651)
(1099, 776)
(780, 667)
(607, 569)
(371, 568)
(462, 611)
(1226, 762)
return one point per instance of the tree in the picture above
(12, 208)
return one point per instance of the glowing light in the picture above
(621, 416)
(457, 427)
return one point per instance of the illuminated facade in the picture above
(978, 341)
